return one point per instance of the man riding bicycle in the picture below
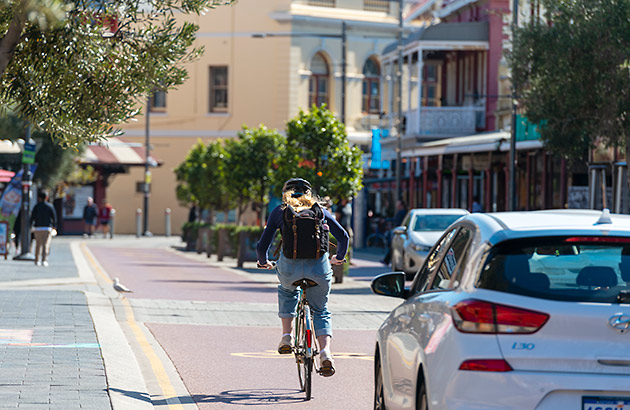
(299, 208)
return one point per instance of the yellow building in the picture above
(263, 61)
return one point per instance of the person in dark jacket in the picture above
(90, 212)
(44, 220)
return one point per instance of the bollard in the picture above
(138, 222)
(112, 220)
(167, 222)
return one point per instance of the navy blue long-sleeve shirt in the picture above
(274, 222)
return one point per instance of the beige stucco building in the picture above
(263, 61)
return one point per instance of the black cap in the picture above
(297, 185)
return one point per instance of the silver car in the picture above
(420, 229)
(512, 311)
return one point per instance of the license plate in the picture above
(605, 403)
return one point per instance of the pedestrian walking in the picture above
(44, 221)
(304, 224)
(104, 218)
(90, 214)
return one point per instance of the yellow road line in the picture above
(163, 380)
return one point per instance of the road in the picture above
(218, 327)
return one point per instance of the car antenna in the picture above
(604, 218)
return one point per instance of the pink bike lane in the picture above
(236, 367)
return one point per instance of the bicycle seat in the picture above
(305, 283)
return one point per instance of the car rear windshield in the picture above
(583, 269)
(426, 223)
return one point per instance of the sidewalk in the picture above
(50, 357)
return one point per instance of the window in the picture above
(157, 102)
(431, 85)
(371, 87)
(322, 3)
(423, 277)
(455, 258)
(376, 5)
(218, 89)
(318, 82)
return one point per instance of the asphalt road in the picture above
(219, 327)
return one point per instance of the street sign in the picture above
(28, 156)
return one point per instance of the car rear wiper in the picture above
(623, 296)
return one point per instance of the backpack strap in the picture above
(317, 211)
(295, 237)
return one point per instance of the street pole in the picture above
(344, 46)
(147, 172)
(27, 177)
(400, 113)
(512, 169)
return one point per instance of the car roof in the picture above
(439, 211)
(499, 226)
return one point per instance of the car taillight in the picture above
(486, 365)
(477, 316)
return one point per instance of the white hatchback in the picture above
(522, 310)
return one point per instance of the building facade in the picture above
(263, 62)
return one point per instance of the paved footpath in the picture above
(68, 341)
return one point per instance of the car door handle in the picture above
(614, 362)
(405, 319)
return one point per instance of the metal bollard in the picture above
(167, 222)
(138, 223)
(112, 223)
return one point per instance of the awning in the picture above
(116, 151)
(6, 176)
(483, 142)
(461, 33)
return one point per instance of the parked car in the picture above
(420, 229)
(495, 318)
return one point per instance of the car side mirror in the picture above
(390, 284)
(399, 230)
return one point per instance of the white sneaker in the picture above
(45, 263)
(326, 364)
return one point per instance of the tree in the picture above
(572, 75)
(318, 150)
(249, 167)
(76, 69)
(201, 177)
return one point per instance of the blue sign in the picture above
(377, 162)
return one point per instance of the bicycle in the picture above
(305, 344)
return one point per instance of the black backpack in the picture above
(304, 233)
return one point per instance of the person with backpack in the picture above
(304, 225)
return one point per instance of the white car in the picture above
(419, 231)
(491, 321)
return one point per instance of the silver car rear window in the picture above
(583, 269)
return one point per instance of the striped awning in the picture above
(116, 151)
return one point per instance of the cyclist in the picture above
(297, 193)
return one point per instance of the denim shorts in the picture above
(319, 271)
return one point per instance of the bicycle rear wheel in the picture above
(302, 358)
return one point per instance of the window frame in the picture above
(366, 85)
(153, 107)
(214, 88)
(314, 81)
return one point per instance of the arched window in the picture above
(371, 87)
(318, 82)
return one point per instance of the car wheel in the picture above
(379, 393)
(422, 402)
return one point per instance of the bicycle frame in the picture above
(305, 344)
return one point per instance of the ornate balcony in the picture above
(376, 5)
(445, 121)
(321, 3)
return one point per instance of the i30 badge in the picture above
(620, 322)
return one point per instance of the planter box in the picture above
(204, 240)
(247, 247)
(224, 247)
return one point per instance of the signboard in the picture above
(4, 238)
(75, 199)
(28, 156)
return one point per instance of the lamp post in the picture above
(512, 166)
(342, 36)
(147, 171)
(28, 157)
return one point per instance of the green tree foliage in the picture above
(250, 165)
(77, 68)
(201, 177)
(571, 73)
(318, 150)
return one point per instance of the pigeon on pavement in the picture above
(120, 288)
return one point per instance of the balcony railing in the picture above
(321, 3)
(445, 121)
(376, 5)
